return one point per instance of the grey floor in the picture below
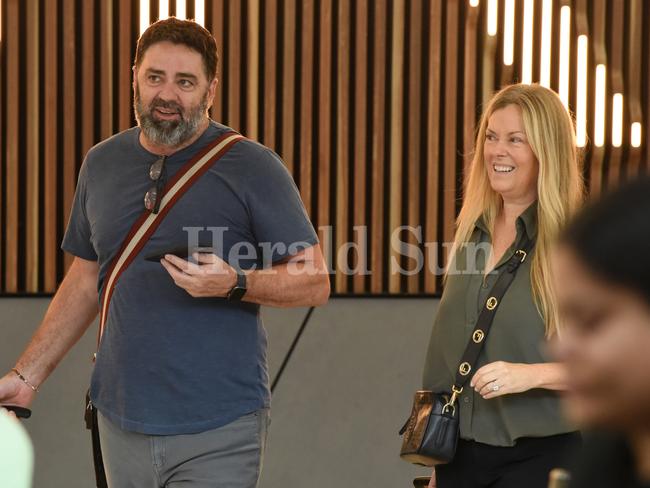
(336, 410)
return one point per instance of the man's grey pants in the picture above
(227, 457)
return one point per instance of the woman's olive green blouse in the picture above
(517, 335)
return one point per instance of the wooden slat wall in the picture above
(371, 104)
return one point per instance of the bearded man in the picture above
(180, 381)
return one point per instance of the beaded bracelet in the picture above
(24, 380)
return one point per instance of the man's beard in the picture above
(171, 133)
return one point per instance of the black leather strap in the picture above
(98, 460)
(479, 334)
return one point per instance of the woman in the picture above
(524, 183)
(603, 287)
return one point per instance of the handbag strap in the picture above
(485, 319)
(148, 222)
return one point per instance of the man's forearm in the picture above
(279, 287)
(71, 311)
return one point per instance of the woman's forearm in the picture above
(550, 376)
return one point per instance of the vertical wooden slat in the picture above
(271, 53)
(12, 128)
(106, 69)
(413, 137)
(489, 58)
(618, 85)
(596, 161)
(233, 68)
(288, 83)
(88, 59)
(360, 140)
(633, 76)
(469, 85)
(378, 138)
(70, 97)
(450, 120)
(50, 144)
(324, 122)
(342, 136)
(126, 43)
(216, 26)
(2, 140)
(617, 24)
(253, 58)
(396, 107)
(32, 173)
(434, 78)
(306, 101)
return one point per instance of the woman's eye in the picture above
(490, 137)
(516, 140)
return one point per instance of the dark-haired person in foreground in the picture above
(602, 271)
(180, 381)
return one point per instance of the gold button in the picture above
(478, 335)
(465, 368)
(491, 303)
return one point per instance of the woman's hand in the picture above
(502, 378)
(432, 483)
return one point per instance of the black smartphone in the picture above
(21, 412)
(181, 252)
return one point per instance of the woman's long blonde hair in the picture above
(560, 188)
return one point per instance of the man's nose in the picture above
(168, 92)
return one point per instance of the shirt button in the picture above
(484, 285)
(466, 399)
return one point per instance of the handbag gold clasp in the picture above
(452, 400)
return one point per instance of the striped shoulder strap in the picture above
(148, 222)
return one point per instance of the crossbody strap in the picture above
(148, 222)
(485, 319)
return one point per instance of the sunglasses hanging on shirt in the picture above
(153, 197)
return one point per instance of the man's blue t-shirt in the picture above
(170, 363)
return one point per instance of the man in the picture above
(180, 380)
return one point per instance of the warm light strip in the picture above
(545, 57)
(599, 109)
(509, 32)
(163, 9)
(635, 134)
(144, 15)
(581, 92)
(617, 120)
(199, 12)
(565, 50)
(181, 9)
(527, 54)
(492, 17)
(474, 3)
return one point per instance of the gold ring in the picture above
(491, 303)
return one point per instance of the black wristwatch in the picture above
(238, 291)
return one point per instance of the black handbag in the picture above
(430, 434)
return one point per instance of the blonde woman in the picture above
(524, 183)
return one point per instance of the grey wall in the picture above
(336, 410)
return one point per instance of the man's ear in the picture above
(212, 90)
(134, 69)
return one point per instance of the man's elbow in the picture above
(322, 291)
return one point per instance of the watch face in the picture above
(236, 293)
